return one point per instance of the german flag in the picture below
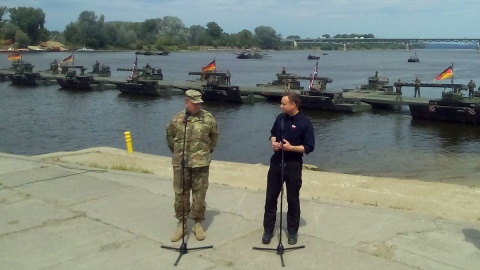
(447, 73)
(15, 57)
(68, 59)
(210, 67)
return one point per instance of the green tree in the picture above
(22, 39)
(267, 37)
(214, 30)
(174, 30)
(195, 34)
(244, 39)
(31, 21)
(150, 30)
(9, 30)
(87, 30)
(127, 38)
(3, 12)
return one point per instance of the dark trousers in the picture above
(417, 91)
(292, 176)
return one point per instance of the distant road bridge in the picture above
(406, 41)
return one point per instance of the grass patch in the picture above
(371, 204)
(400, 208)
(96, 165)
(126, 168)
(131, 169)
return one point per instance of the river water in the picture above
(45, 119)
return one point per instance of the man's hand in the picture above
(286, 145)
(276, 146)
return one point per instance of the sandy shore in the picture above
(438, 200)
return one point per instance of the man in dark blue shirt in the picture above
(292, 133)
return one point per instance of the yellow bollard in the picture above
(128, 141)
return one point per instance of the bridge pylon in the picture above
(345, 47)
(408, 46)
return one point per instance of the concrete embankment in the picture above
(440, 200)
(79, 210)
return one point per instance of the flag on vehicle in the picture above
(210, 67)
(313, 75)
(447, 73)
(15, 57)
(68, 59)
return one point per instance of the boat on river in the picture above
(100, 70)
(452, 107)
(378, 83)
(250, 55)
(75, 77)
(413, 58)
(313, 57)
(74, 81)
(143, 81)
(284, 80)
(316, 98)
(165, 53)
(215, 87)
(23, 74)
(85, 49)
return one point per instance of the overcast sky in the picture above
(305, 18)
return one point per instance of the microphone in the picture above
(282, 124)
(187, 114)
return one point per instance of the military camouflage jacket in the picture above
(201, 138)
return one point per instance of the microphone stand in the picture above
(183, 247)
(280, 249)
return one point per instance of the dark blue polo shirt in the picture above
(298, 130)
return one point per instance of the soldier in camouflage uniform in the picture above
(471, 89)
(417, 87)
(200, 141)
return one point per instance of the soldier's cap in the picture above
(194, 96)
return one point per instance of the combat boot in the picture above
(198, 230)
(180, 232)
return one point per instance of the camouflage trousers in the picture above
(196, 181)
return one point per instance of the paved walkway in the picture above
(63, 216)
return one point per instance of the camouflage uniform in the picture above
(201, 139)
(417, 87)
(471, 89)
(398, 90)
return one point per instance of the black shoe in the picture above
(292, 238)
(266, 238)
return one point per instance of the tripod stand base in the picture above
(280, 250)
(183, 250)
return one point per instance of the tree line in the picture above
(26, 26)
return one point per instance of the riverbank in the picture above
(58, 214)
(438, 200)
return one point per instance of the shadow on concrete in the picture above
(303, 222)
(472, 236)
(209, 216)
